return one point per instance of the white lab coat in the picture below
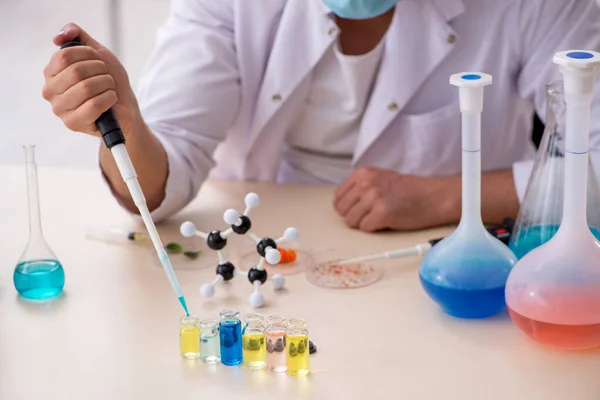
(227, 78)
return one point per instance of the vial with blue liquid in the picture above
(466, 273)
(38, 275)
(230, 334)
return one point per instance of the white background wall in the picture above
(26, 31)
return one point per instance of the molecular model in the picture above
(266, 248)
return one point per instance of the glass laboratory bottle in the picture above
(189, 337)
(230, 335)
(542, 207)
(38, 274)
(276, 349)
(254, 346)
(276, 320)
(298, 351)
(553, 292)
(466, 272)
(252, 319)
(210, 351)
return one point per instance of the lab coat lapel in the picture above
(413, 49)
(304, 34)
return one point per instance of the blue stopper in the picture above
(471, 77)
(580, 55)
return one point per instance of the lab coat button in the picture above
(451, 38)
(333, 32)
(392, 106)
(276, 97)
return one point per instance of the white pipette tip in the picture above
(207, 290)
(252, 200)
(278, 281)
(273, 256)
(188, 229)
(231, 216)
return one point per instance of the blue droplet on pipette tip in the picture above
(580, 55)
(183, 303)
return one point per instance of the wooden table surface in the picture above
(114, 332)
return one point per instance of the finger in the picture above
(61, 59)
(349, 200)
(357, 213)
(83, 91)
(343, 188)
(71, 31)
(73, 74)
(373, 221)
(88, 113)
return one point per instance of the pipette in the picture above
(501, 232)
(114, 140)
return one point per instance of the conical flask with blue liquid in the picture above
(38, 274)
(542, 206)
(466, 273)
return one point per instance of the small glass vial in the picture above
(252, 319)
(276, 357)
(298, 350)
(189, 338)
(296, 323)
(230, 335)
(276, 320)
(210, 351)
(254, 346)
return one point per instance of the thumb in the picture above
(72, 31)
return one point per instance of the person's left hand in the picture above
(373, 199)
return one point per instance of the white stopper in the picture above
(257, 299)
(231, 216)
(291, 234)
(471, 86)
(188, 229)
(207, 290)
(278, 281)
(251, 200)
(273, 256)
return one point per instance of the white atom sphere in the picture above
(251, 200)
(188, 229)
(257, 299)
(207, 290)
(278, 281)
(291, 234)
(231, 216)
(273, 256)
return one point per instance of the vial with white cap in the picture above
(465, 273)
(553, 292)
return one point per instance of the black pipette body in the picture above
(501, 232)
(107, 123)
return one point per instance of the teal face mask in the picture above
(359, 9)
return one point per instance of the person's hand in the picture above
(82, 82)
(373, 199)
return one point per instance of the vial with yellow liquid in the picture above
(254, 346)
(189, 338)
(298, 363)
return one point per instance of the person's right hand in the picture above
(82, 82)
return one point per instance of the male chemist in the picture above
(354, 93)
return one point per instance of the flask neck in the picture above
(35, 224)
(471, 189)
(576, 165)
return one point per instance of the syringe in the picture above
(114, 140)
(502, 232)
